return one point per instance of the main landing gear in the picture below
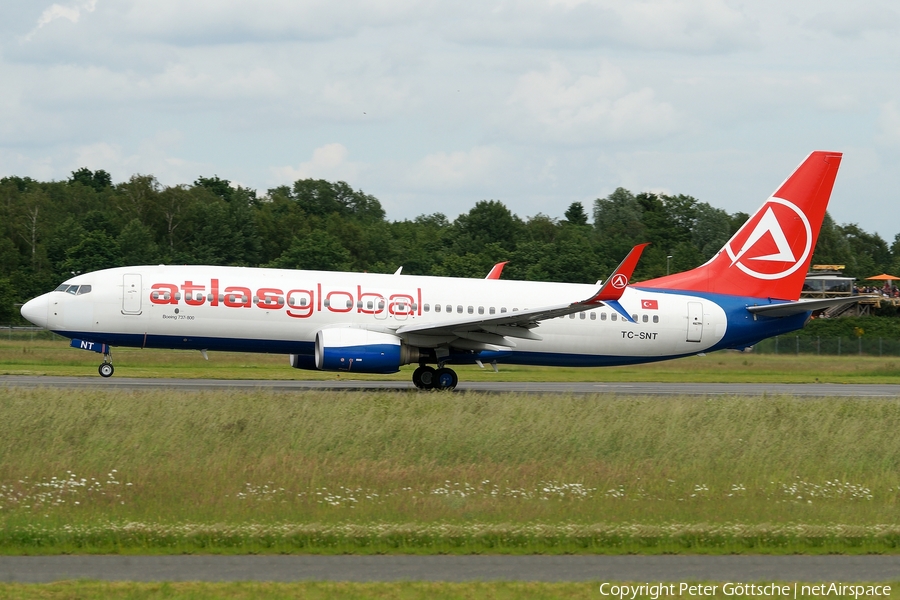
(106, 368)
(429, 378)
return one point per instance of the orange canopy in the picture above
(884, 277)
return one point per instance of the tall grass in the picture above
(92, 458)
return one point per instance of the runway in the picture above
(812, 390)
(43, 569)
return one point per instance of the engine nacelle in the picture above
(361, 351)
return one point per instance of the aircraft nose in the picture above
(35, 310)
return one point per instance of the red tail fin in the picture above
(769, 256)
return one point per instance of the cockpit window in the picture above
(75, 290)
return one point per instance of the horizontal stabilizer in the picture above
(614, 304)
(787, 309)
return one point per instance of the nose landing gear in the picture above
(429, 378)
(106, 369)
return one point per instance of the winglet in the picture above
(496, 270)
(613, 287)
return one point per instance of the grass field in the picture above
(24, 356)
(86, 590)
(107, 471)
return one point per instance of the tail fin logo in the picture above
(773, 253)
(619, 281)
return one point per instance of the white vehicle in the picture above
(373, 323)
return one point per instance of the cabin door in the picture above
(131, 294)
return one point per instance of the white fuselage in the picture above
(276, 310)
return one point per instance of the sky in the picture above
(432, 106)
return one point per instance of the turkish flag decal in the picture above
(650, 304)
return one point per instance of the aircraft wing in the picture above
(786, 309)
(494, 330)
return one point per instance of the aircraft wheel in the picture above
(106, 370)
(445, 379)
(424, 377)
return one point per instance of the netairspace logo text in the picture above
(654, 591)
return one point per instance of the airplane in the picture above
(376, 323)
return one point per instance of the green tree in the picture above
(489, 222)
(8, 312)
(322, 198)
(138, 198)
(95, 251)
(617, 221)
(136, 245)
(711, 230)
(832, 247)
(575, 214)
(98, 180)
(318, 251)
(219, 187)
(872, 253)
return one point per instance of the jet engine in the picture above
(361, 351)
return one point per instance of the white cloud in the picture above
(556, 106)
(675, 25)
(444, 104)
(470, 169)
(58, 11)
(854, 21)
(328, 162)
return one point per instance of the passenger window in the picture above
(427, 307)
(613, 316)
(471, 310)
(602, 316)
(459, 308)
(645, 319)
(515, 310)
(369, 305)
(572, 316)
(593, 316)
(178, 295)
(502, 309)
(634, 317)
(581, 316)
(86, 289)
(493, 310)
(449, 308)
(480, 310)
(437, 307)
(656, 318)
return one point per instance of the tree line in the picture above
(52, 230)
